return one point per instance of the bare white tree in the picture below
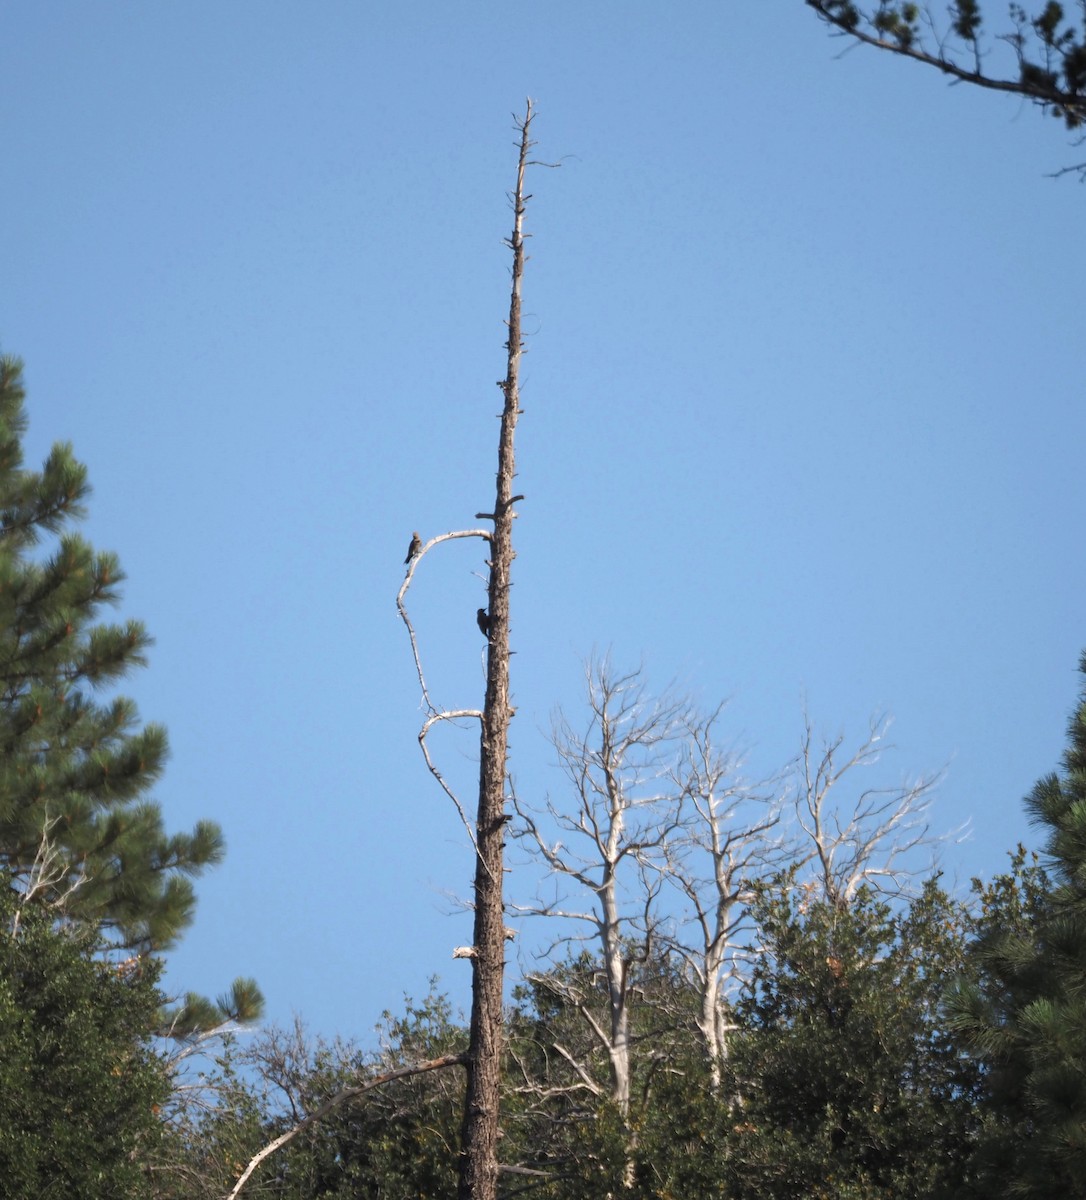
(658, 804)
(880, 837)
(731, 835)
(610, 849)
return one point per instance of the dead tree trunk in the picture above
(479, 1135)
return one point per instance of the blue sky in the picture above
(803, 414)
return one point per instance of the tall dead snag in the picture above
(479, 1135)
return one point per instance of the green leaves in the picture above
(80, 1088)
(849, 1084)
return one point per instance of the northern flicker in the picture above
(414, 548)
(483, 619)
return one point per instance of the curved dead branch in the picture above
(401, 595)
(428, 724)
(341, 1097)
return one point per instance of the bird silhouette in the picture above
(414, 548)
(483, 620)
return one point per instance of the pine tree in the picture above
(76, 823)
(1024, 1013)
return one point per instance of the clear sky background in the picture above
(803, 415)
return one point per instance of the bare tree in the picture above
(612, 845)
(734, 835)
(881, 837)
(478, 1161)
(730, 837)
(479, 1137)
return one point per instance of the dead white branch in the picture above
(436, 715)
(625, 809)
(874, 839)
(341, 1097)
(428, 724)
(401, 599)
(730, 838)
(41, 882)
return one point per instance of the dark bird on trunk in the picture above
(483, 618)
(414, 548)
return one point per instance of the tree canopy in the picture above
(77, 824)
(80, 1086)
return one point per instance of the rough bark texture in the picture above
(479, 1139)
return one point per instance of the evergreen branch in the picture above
(895, 28)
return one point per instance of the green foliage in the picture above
(898, 23)
(967, 19)
(1023, 1011)
(559, 1117)
(403, 1138)
(399, 1140)
(212, 1127)
(843, 1081)
(80, 1089)
(75, 769)
(685, 1132)
(196, 1015)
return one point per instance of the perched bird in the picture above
(483, 618)
(414, 548)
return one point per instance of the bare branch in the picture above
(870, 840)
(1050, 54)
(40, 880)
(587, 1081)
(401, 599)
(341, 1097)
(435, 718)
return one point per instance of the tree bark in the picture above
(480, 1130)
